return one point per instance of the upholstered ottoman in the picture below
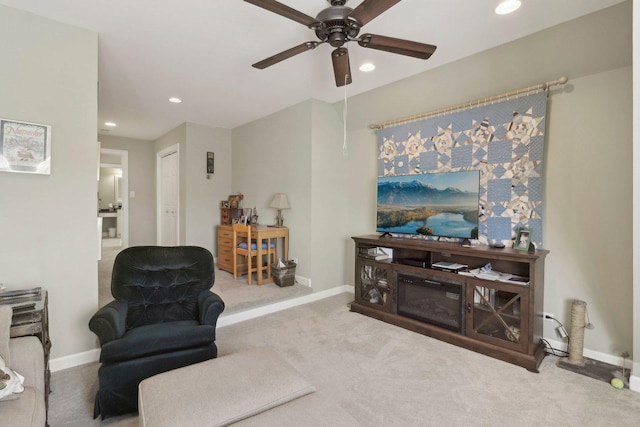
(221, 391)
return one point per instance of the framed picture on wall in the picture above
(523, 239)
(25, 147)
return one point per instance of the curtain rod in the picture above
(470, 104)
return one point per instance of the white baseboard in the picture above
(634, 383)
(91, 356)
(230, 319)
(65, 362)
(595, 355)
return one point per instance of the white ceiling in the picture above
(202, 51)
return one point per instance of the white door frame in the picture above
(159, 155)
(124, 212)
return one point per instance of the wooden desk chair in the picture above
(242, 245)
(270, 249)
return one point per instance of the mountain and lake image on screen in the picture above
(434, 204)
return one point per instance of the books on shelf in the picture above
(374, 253)
(449, 266)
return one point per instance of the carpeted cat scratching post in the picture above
(579, 364)
(576, 343)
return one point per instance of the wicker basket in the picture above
(284, 276)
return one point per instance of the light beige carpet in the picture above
(382, 375)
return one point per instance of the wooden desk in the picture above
(258, 233)
(261, 233)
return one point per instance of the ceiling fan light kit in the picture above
(337, 25)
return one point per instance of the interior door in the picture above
(169, 200)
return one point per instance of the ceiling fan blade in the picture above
(287, 12)
(284, 55)
(370, 9)
(341, 67)
(400, 46)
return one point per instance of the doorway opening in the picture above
(113, 214)
(113, 200)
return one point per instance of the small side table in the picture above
(31, 318)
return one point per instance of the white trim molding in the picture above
(91, 356)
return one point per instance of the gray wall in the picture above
(273, 155)
(329, 197)
(588, 211)
(142, 207)
(276, 153)
(48, 223)
(298, 151)
(200, 197)
(203, 196)
(587, 203)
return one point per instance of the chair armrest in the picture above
(109, 322)
(28, 360)
(211, 306)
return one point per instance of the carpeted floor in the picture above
(382, 375)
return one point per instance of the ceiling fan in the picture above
(337, 25)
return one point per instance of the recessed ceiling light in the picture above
(508, 6)
(367, 66)
(175, 100)
(110, 124)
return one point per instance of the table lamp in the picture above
(280, 202)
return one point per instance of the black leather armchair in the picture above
(163, 317)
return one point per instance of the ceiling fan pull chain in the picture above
(345, 150)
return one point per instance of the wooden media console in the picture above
(496, 310)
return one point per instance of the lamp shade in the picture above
(280, 201)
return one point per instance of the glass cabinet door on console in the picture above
(373, 285)
(497, 313)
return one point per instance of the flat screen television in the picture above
(434, 204)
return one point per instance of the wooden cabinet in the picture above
(495, 314)
(495, 317)
(225, 251)
(374, 286)
(228, 214)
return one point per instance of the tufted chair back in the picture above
(161, 284)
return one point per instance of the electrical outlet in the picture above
(548, 316)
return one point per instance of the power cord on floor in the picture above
(553, 351)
